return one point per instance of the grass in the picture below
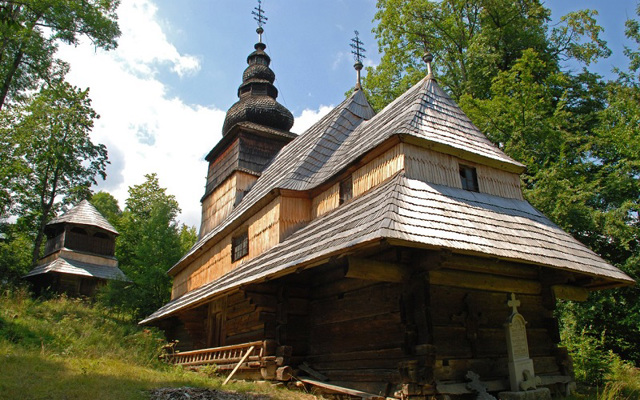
(69, 349)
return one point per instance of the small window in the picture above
(79, 231)
(346, 192)
(469, 178)
(239, 246)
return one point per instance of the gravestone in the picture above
(521, 374)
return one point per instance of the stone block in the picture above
(537, 394)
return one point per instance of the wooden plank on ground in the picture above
(238, 365)
(342, 390)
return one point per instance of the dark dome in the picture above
(258, 95)
(263, 110)
(258, 71)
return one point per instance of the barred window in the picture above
(239, 246)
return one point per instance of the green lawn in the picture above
(68, 349)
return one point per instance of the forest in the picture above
(503, 62)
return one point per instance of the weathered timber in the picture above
(342, 390)
(491, 266)
(366, 302)
(369, 269)
(567, 292)
(244, 357)
(472, 280)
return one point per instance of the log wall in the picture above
(356, 335)
(218, 205)
(468, 310)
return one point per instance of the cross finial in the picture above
(513, 303)
(358, 55)
(259, 16)
(358, 50)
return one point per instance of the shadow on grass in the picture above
(32, 376)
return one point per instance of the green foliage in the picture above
(107, 205)
(472, 41)
(150, 243)
(30, 31)
(15, 253)
(52, 160)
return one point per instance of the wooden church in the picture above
(377, 252)
(79, 253)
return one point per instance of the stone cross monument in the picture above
(521, 374)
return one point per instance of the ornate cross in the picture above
(259, 15)
(358, 50)
(513, 303)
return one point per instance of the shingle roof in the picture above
(422, 214)
(74, 267)
(84, 214)
(300, 163)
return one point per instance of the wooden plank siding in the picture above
(218, 205)
(326, 201)
(265, 229)
(443, 169)
(378, 170)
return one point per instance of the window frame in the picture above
(240, 246)
(469, 178)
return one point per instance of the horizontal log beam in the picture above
(472, 280)
(373, 270)
(568, 292)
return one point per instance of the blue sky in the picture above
(163, 93)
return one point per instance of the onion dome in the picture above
(258, 95)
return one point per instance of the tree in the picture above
(150, 243)
(52, 158)
(31, 29)
(108, 206)
(472, 41)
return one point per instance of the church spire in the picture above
(358, 55)
(257, 94)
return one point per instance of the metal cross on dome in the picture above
(259, 15)
(358, 50)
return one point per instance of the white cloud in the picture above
(146, 131)
(308, 118)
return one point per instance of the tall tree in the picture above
(472, 41)
(108, 206)
(31, 29)
(55, 158)
(150, 242)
